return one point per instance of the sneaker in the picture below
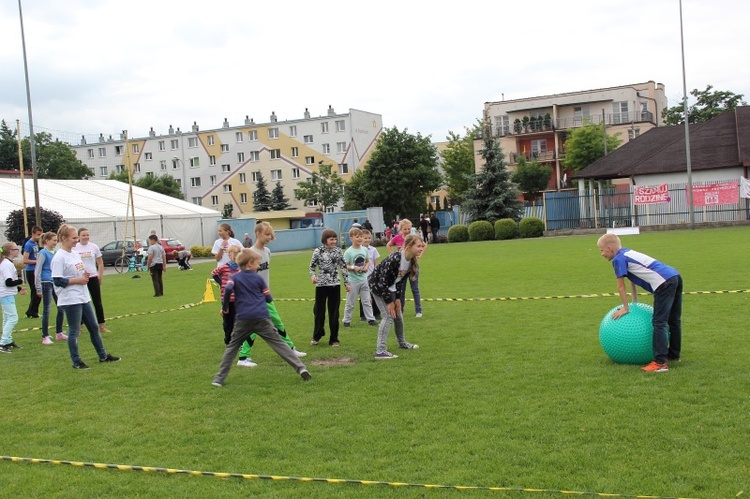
(5, 349)
(81, 365)
(335, 344)
(347, 324)
(419, 315)
(13, 345)
(314, 342)
(61, 336)
(305, 375)
(655, 367)
(246, 363)
(46, 340)
(298, 353)
(104, 330)
(373, 323)
(110, 358)
(385, 355)
(409, 346)
(217, 383)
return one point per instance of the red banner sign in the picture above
(651, 195)
(716, 194)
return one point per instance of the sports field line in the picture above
(244, 476)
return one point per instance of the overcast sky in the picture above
(101, 66)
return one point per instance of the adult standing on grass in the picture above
(434, 227)
(92, 260)
(157, 264)
(45, 287)
(327, 260)
(664, 282)
(222, 244)
(388, 283)
(10, 286)
(30, 251)
(70, 278)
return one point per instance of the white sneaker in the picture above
(246, 363)
(46, 340)
(419, 314)
(298, 353)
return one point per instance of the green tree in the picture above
(531, 176)
(8, 148)
(54, 159)
(325, 187)
(401, 172)
(278, 200)
(491, 195)
(586, 144)
(458, 163)
(708, 105)
(261, 196)
(51, 221)
(163, 184)
(355, 193)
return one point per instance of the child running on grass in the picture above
(388, 282)
(328, 259)
(10, 286)
(46, 289)
(264, 234)
(251, 296)
(664, 282)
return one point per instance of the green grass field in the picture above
(502, 393)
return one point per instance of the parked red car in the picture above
(171, 245)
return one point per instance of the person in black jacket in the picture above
(435, 226)
(387, 284)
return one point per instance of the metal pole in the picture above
(31, 122)
(23, 186)
(687, 128)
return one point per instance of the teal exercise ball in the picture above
(629, 339)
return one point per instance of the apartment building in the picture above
(220, 166)
(537, 127)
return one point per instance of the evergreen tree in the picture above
(278, 200)
(261, 196)
(491, 194)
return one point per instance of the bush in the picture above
(531, 227)
(201, 251)
(51, 221)
(506, 228)
(458, 234)
(481, 230)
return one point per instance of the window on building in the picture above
(343, 169)
(309, 160)
(227, 187)
(341, 147)
(580, 113)
(238, 136)
(252, 135)
(313, 202)
(137, 168)
(326, 148)
(308, 139)
(149, 174)
(324, 127)
(195, 162)
(149, 156)
(195, 181)
(175, 163)
(175, 144)
(240, 157)
(275, 153)
(502, 125)
(225, 148)
(243, 178)
(275, 175)
(212, 161)
(226, 168)
(192, 142)
(620, 112)
(196, 200)
(162, 147)
(212, 180)
(136, 149)
(91, 153)
(210, 139)
(255, 176)
(118, 150)
(293, 131)
(340, 126)
(434, 200)
(163, 164)
(254, 156)
(243, 198)
(295, 152)
(273, 133)
(119, 168)
(295, 173)
(538, 147)
(102, 152)
(103, 171)
(214, 200)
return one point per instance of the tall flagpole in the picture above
(687, 129)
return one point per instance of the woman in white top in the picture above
(70, 278)
(94, 264)
(226, 239)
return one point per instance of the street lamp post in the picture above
(184, 176)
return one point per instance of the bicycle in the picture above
(133, 263)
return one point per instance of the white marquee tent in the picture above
(102, 205)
